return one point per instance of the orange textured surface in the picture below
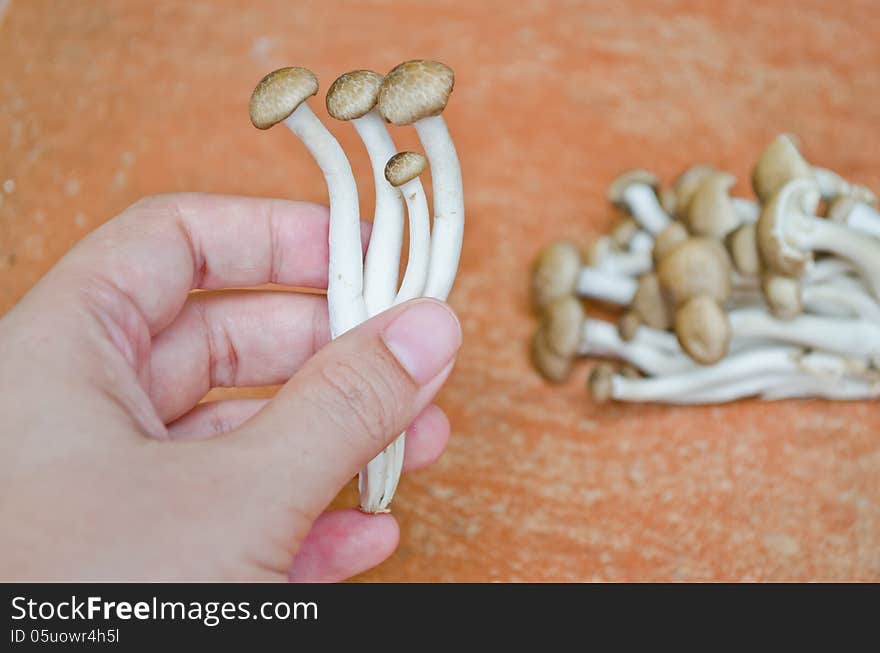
(103, 102)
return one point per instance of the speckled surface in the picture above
(103, 102)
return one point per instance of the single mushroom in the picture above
(711, 211)
(854, 214)
(281, 97)
(635, 192)
(415, 93)
(789, 232)
(402, 171)
(352, 97)
(558, 272)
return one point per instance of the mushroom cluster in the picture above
(412, 93)
(718, 297)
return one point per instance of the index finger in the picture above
(162, 247)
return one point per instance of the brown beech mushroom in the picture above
(635, 192)
(648, 307)
(415, 93)
(711, 211)
(789, 232)
(783, 295)
(402, 172)
(353, 97)
(667, 240)
(742, 246)
(281, 97)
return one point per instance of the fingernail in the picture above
(423, 339)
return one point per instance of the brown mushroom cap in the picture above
(279, 93)
(555, 272)
(629, 324)
(551, 365)
(563, 325)
(673, 235)
(703, 329)
(686, 184)
(797, 197)
(649, 305)
(601, 382)
(711, 212)
(624, 231)
(618, 186)
(742, 245)
(699, 266)
(353, 94)
(414, 90)
(779, 163)
(598, 250)
(404, 167)
(783, 295)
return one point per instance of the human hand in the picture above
(109, 467)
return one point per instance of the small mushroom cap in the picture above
(699, 266)
(711, 211)
(598, 251)
(414, 90)
(703, 329)
(686, 184)
(797, 198)
(551, 365)
(555, 272)
(353, 94)
(742, 245)
(673, 235)
(649, 305)
(783, 295)
(839, 208)
(628, 325)
(631, 177)
(279, 93)
(563, 325)
(601, 382)
(404, 167)
(779, 163)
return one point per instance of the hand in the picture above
(111, 469)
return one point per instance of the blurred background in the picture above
(104, 102)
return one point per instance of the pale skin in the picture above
(110, 469)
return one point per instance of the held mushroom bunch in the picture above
(720, 297)
(413, 93)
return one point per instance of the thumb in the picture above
(350, 400)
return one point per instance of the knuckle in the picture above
(357, 397)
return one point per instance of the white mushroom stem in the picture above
(631, 264)
(386, 238)
(448, 229)
(681, 387)
(345, 299)
(747, 210)
(645, 208)
(843, 297)
(600, 338)
(864, 218)
(606, 286)
(846, 337)
(413, 284)
(788, 385)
